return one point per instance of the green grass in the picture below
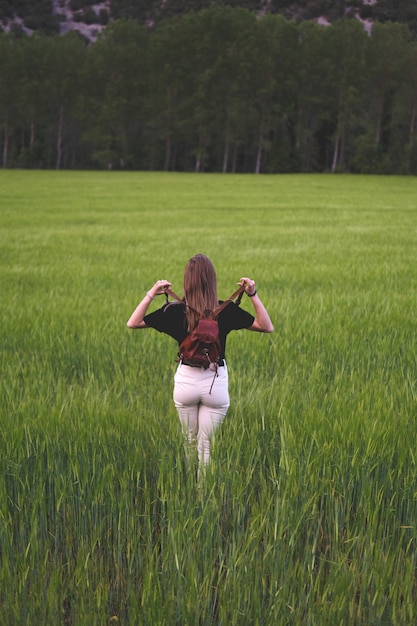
(308, 512)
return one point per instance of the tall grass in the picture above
(308, 512)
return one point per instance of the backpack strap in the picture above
(237, 294)
(174, 295)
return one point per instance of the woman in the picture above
(201, 405)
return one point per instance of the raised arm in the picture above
(136, 319)
(262, 323)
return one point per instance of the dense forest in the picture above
(221, 89)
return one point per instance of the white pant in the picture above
(200, 411)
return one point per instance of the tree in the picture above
(10, 95)
(386, 61)
(174, 66)
(115, 86)
(401, 147)
(66, 56)
(232, 90)
(314, 95)
(36, 54)
(345, 44)
(274, 91)
(412, 90)
(222, 90)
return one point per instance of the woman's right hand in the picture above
(159, 287)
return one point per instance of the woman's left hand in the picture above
(249, 285)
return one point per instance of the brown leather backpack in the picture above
(201, 347)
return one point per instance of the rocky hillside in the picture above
(89, 17)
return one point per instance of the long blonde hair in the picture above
(200, 288)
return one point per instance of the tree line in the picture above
(219, 91)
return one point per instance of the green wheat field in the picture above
(308, 513)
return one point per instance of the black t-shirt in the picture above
(171, 319)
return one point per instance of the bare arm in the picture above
(262, 323)
(136, 319)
